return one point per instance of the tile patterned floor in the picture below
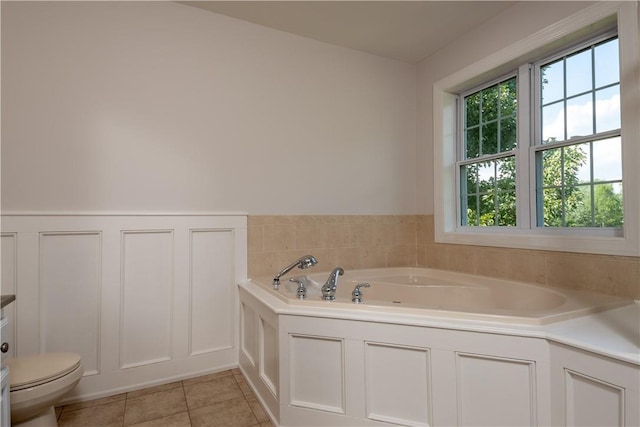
(216, 400)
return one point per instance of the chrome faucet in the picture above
(301, 292)
(329, 288)
(303, 263)
(356, 295)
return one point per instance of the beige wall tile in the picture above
(361, 234)
(436, 256)
(527, 266)
(373, 241)
(618, 276)
(336, 235)
(492, 262)
(309, 236)
(255, 238)
(461, 258)
(279, 237)
(573, 271)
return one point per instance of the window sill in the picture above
(549, 240)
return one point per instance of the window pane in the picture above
(580, 214)
(508, 134)
(472, 109)
(553, 122)
(472, 211)
(506, 174)
(580, 116)
(472, 143)
(608, 205)
(552, 79)
(582, 185)
(552, 207)
(608, 109)
(486, 176)
(576, 164)
(490, 138)
(490, 103)
(487, 210)
(607, 65)
(579, 73)
(607, 160)
(506, 209)
(470, 172)
(508, 99)
(552, 168)
(560, 176)
(488, 193)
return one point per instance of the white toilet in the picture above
(38, 382)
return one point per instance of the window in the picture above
(577, 147)
(546, 153)
(487, 168)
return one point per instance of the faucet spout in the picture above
(302, 263)
(331, 285)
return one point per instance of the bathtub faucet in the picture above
(303, 263)
(329, 288)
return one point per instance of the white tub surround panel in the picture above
(363, 365)
(259, 351)
(590, 389)
(144, 299)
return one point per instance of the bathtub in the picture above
(440, 293)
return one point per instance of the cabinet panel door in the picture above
(592, 390)
(591, 402)
(322, 387)
(398, 384)
(495, 391)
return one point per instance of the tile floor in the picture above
(220, 399)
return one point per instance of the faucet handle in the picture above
(356, 295)
(301, 292)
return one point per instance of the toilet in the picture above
(38, 382)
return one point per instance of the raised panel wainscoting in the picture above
(356, 367)
(144, 299)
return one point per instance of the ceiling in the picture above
(405, 30)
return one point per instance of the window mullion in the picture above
(524, 114)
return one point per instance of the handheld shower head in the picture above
(307, 261)
(303, 263)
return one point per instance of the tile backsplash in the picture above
(370, 241)
(348, 241)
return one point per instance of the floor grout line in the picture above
(69, 421)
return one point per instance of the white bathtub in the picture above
(449, 294)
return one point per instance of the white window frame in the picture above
(446, 215)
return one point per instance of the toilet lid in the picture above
(40, 368)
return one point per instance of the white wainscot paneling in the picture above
(211, 297)
(592, 402)
(147, 297)
(70, 277)
(8, 287)
(269, 356)
(248, 334)
(317, 373)
(494, 391)
(398, 393)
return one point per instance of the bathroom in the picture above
(150, 109)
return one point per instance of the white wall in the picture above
(157, 106)
(515, 23)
